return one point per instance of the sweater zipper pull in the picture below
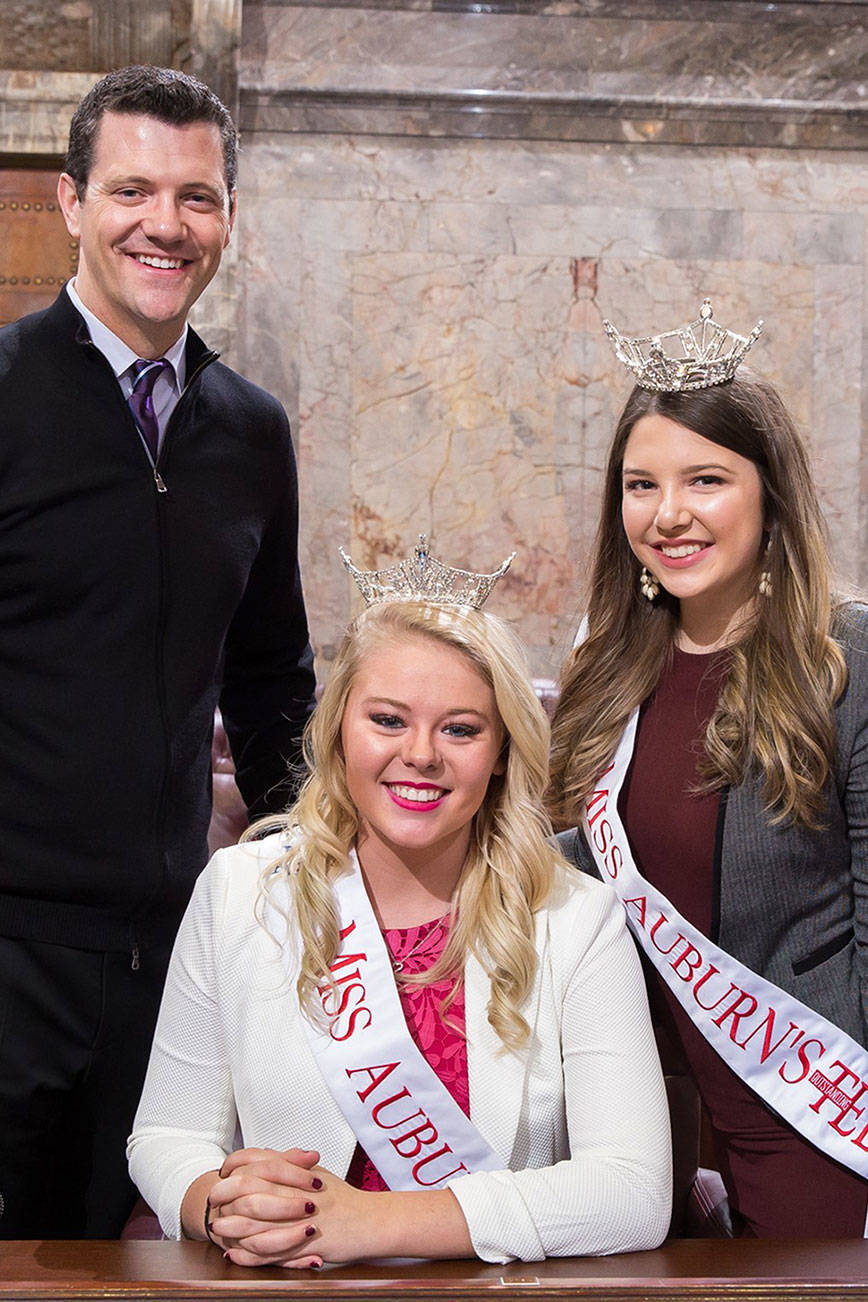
(158, 480)
(135, 964)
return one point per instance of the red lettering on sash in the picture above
(343, 996)
(377, 1076)
(799, 1055)
(768, 1048)
(692, 967)
(602, 835)
(350, 1026)
(412, 1143)
(653, 934)
(356, 1013)
(403, 1140)
(344, 960)
(384, 1103)
(432, 1157)
(737, 1016)
(640, 902)
(353, 991)
(595, 799)
(801, 1051)
(836, 1122)
(830, 1092)
(712, 971)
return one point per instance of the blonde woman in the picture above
(400, 1025)
(711, 739)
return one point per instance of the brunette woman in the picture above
(711, 739)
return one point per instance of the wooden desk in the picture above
(697, 1269)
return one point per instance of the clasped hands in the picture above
(283, 1209)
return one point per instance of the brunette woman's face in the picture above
(693, 515)
(421, 738)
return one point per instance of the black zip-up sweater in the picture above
(132, 597)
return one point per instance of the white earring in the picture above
(648, 585)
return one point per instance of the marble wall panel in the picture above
(325, 441)
(736, 73)
(431, 314)
(769, 58)
(455, 417)
(834, 421)
(35, 109)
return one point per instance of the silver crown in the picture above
(423, 578)
(692, 356)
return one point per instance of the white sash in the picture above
(809, 1071)
(400, 1111)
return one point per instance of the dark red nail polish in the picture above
(310, 1231)
(316, 1265)
(316, 1182)
(309, 1209)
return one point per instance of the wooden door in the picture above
(36, 252)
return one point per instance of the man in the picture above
(148, 554)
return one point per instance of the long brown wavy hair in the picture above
(774, 716)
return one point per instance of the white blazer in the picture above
(578, 1115)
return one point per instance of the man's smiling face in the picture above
(152, 226)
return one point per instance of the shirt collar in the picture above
(118, 354)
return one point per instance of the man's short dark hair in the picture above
(162, 93)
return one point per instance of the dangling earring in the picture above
(648, 585)
(765, 578)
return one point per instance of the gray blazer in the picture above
(792, 904)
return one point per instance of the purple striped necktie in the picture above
(141, 400)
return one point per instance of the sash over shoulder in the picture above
(401, 1113)
(806, 1069)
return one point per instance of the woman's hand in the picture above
(354, 1224)
(281, 1209)
(262, 1207)
(268, 1209)
(349, 1224)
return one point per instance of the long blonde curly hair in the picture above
(774, 717)
(510, 867)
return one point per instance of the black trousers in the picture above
(75, 1035)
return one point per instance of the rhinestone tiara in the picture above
(693, 356)
(421, 577)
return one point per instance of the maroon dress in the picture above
(779, 1185)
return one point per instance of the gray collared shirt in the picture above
(121, 357)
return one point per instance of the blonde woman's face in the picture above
(421, 738)
(693, 514)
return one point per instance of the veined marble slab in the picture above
(431, 313)
(728, 73)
